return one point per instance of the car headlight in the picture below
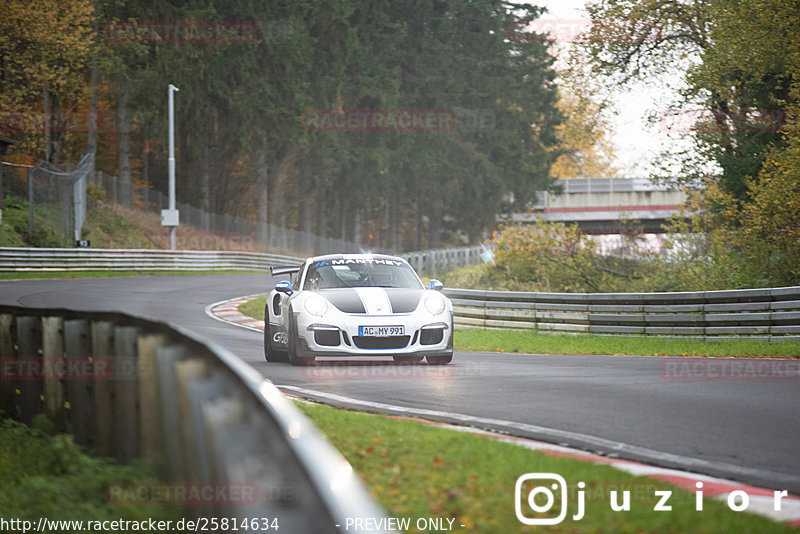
(434, 303)
(315, 305)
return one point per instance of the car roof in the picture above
(355, 256)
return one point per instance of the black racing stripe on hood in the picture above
(346, 300)
(404, 300)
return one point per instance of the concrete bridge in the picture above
(606, 205)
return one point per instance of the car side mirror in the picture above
(284, 287)
(435, 285)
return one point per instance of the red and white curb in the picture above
(227, 311)
(761, 501)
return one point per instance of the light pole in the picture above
(170, 217)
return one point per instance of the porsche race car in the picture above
(357, 305)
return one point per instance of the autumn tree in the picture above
(585, 149)
(242, 145)
(740, 62)
(44, 46)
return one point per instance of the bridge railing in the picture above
(133, 388)
(768, 314)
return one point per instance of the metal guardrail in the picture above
(88, 259)
(757, 313)
(768, 314)
(434, 262)
(427, 263)
(133, 388)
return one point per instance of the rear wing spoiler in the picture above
(275, 271)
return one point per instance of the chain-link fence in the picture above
(56, 199)
(264, 236)
(57, 204)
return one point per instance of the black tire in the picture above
(294, 359)
(439, 360)
(270, 354)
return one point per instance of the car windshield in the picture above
(357, 272)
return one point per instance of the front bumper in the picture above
(423, 336)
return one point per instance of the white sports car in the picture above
(357, 305)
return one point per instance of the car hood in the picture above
(373, 300)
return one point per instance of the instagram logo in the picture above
(540, 498)
(538, 492)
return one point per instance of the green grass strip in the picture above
(531, 342)
(418, 471)
(254, 308)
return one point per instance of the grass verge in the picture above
(254, 308)
(44, 476)
(531, 342)
(417, 471)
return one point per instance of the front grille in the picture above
(390, 342)
(431, 336)
(326, 337)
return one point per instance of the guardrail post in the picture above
(221, 427)
(54, 364)
(202, 392)
(166, 360)
(29, 341)
(151, 429)
(8, 384)
(80, 391)
(126, 392)
(102, 343)
(187, 371)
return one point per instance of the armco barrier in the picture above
(435, 262)
(132, 388)
(88, 259)
(768, 314)
(12, 259)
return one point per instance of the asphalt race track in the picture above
(625, 406)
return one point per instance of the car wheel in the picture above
(270, 354)
(439, 360)
(294, 359)
(408, 359)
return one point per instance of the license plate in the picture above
(381, 331)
